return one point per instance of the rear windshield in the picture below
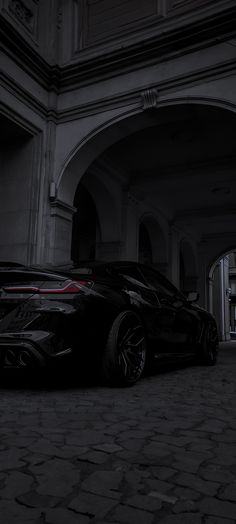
(81, 271)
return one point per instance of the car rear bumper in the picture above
(29, 350)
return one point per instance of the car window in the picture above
(132, 274)
(159, 283)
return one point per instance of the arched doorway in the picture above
(172, 163)
(169, 129)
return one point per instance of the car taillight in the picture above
(69, 287)
(20, 289)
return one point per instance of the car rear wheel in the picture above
(125, 352)
(210, 345)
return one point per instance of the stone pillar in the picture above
(20, 187)
(203, 287)
(226, 296)
(232, 317)
(210, 285)
(220, 298)
(60, 232)
(217, 307)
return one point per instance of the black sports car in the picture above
(118, 318)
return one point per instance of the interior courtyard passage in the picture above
(162, 451)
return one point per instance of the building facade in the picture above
(118, 133)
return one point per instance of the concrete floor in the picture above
(163, 451)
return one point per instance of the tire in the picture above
(210, 345)
(125, 351)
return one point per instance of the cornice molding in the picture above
(158, 48)
(163, 46)
(134, 97)
(24, 55)
(62, 209)
(18, 90)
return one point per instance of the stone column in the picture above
(219, 285)
(225, 297)
(60, 232)
(210, 285)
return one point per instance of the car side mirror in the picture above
(193, 296)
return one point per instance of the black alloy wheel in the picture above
(125, 352)
(210, 345)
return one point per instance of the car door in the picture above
(142, 297)
(175, 322)
(157, 310)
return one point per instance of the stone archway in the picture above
(122, 124)
(160, 164)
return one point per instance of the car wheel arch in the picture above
(134, 341)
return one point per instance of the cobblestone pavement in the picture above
(162, 451)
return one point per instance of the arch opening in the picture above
(171, 164)
(187, 120)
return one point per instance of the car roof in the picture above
(6, 264)
(85, 267)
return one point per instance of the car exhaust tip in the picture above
(19, 359)
(25, 358)
(11, 358)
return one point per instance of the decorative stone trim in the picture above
(188, 4)
(62, 210)
(22, 13)
(149, 99)
(114, 22)
(169, 40)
